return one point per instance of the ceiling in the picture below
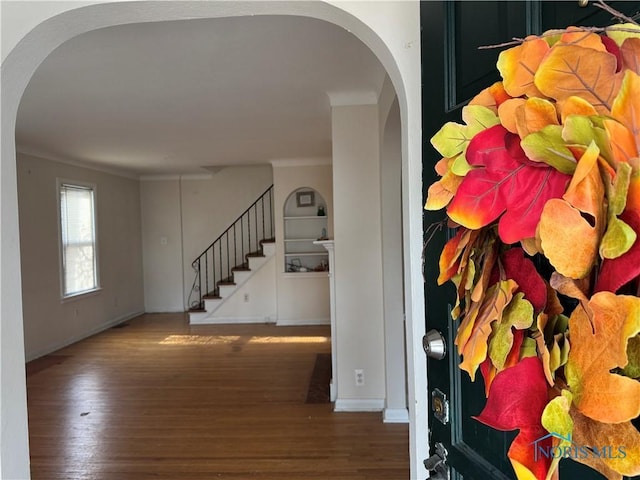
(191, 95)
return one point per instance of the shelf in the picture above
(305, 254)
(300, 240)
(310, 217)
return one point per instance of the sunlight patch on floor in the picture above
(228, 339)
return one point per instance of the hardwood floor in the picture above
(159, 399)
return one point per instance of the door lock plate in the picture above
(440, 406)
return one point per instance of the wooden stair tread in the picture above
(241, 269)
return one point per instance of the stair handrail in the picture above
(218, 243)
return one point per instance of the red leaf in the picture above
(516, 400)
(612, 47)
(519, 268)
(504, 182)
(617, 272)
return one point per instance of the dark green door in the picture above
(453, 71)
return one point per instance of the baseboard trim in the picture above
(290, 322)
(82, 336)
(359, 405)
(395, 415)
(227, 320)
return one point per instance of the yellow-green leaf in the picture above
(518, 314)
(620, 32)
(548, 146)
(632, 369)
(617, 240)
(581, 130)
(556, 419)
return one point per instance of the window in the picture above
(78, 239)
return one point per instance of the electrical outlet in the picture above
(246, 297)
(359, 373)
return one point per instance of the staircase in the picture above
(233, 258)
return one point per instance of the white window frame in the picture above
(61, 183)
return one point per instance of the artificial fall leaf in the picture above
(440, 193)
(560, 226)
(518, 64)
(619, 271)
(599, 345)
(491, 97)
(575, 106)
(571, 70)
(622, 143)
(518, 351)
(556, 419)
(632, 369)
(621, 32)
(570, 287)
(517, 315)
(535, 114)
(617, 240)
(517, 398)
(579, 37)
(551, 343)
(453, 138)
(474, 330)
(522, 270)
(562, 220)
(450, 256)
(507, 113)
(621, 441)
(630, 53)
(582, 130)
(625, 107)
(548, 146)
(503, 182)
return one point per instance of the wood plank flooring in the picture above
(159, 399)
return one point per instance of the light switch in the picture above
(164, 240)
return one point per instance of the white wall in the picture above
(32, 30)
(189, 214)
(162, 246)
(303, 298)
(358, 256)
(50, 323)
(394, 334)
(254, 301)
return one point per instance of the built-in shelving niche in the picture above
(305, 221)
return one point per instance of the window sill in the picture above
(80, 295)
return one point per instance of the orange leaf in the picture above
(576, 71)
(599, 345)
(474, 348)
(560, 225)
(536, 114)
(507, 113)
(562, 221)
(623, 144)
(626, 107)
(450, 256)
(491, 97)
(586, 190)
(519, 64)
(622, 439)
(630, 52)
(576, 106)
(580, 37)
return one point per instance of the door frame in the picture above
(31, 33)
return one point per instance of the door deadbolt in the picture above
(434, 345)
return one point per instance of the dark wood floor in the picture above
(158, 399)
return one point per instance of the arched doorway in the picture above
(52, 28)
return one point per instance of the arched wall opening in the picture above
(396, 46)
